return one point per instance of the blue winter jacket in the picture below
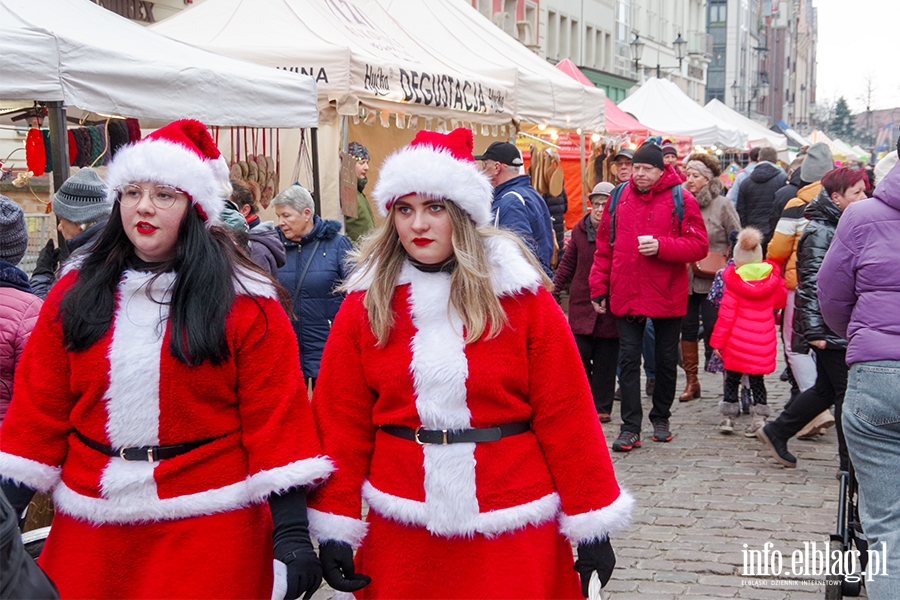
(315, 303)
(518, 206)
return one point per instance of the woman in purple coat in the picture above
(595, 334)
(859, 296)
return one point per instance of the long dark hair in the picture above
(202, 294)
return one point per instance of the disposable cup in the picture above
(644, 238)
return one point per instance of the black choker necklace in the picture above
(446, 266)
(136, 264)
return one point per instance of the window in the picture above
(718, 12)
(485, 7)
(552, 34)
(574, 41)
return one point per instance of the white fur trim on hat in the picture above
(168, 163)
(436, 174)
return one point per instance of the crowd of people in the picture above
(199, 381)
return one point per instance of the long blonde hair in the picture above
(472, 292)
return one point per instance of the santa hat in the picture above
(436, 165)
(182, 155)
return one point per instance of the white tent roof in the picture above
(757, 135)
(90, 58)
(660, 104)
(439, 58)
(544, 95)
(354, 50)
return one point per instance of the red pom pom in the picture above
(35, 153)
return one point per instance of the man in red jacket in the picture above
(640, 272)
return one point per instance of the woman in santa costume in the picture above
(148, 402)
(452, 399)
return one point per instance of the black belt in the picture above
(144, 453)
(441, 437)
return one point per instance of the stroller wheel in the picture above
(834, 585)
(851, 588)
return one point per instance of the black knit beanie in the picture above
(649, 154)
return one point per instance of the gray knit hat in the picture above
(82, 198)
(818, 161)
(13, 235)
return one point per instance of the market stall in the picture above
(757, 135)
(373, 78)
(660, 104)
(81, 56)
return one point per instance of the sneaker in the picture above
(661, 431)
(777, 447)
(726, 425)
(651, 385)
(604, 417)
(626, 441)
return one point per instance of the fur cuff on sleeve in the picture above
(35, 475)
(299, 473)
(598, 524)
(328, 526)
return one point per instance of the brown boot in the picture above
(690, 358)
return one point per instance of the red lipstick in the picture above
(422, 241)
(145, 228)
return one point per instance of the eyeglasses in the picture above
(162, 196)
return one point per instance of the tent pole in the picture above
(583, 180)
(314, 142)
(59, 154)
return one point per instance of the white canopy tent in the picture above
(660, 104)
(544, 95)
(357, 53)
(757, 135)
(79, 53)
(371, 62)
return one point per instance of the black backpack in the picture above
(677, 211)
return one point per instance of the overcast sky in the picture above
(857, 38)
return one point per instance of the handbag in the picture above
(709, 266)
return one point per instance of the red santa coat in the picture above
(456, 510)
(648, 286)
(128, 390)
(745, 329)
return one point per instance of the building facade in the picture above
(764, 59)
(598, 36)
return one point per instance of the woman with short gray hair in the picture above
(313, 268)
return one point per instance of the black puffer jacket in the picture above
(787, 193)
(756, 195)
(557, 206)
(823, 215)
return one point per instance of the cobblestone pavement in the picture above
(704, 495)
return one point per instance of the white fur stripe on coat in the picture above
(227, 498)
(489, 524)
(327, 526)
(35, 475)
(598, 524)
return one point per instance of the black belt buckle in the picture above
(419, 441)
(134, 454)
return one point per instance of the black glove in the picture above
(291, 543)
(596, 556)
(19, 497)
(338, 569)
(47, 261)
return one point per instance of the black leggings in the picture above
(733, 382)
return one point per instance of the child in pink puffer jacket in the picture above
(745, 335)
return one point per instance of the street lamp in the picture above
(637, 50)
